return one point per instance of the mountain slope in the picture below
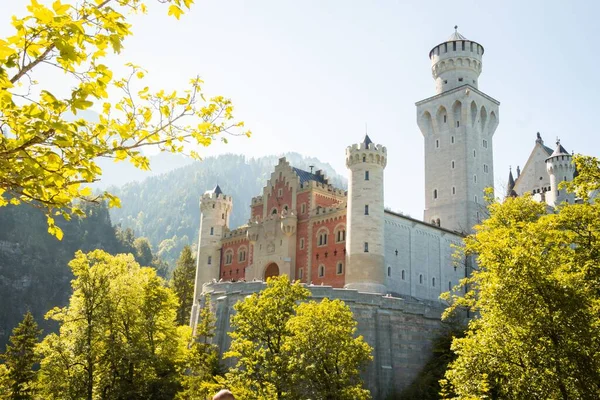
(165, 208)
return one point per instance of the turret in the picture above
(458, 125)
(215, 209)
(560, 168)
(456, 62)
(365, 267)
(510, 187)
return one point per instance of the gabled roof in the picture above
(306, 176)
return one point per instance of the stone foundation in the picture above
(400, 330)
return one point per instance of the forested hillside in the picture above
(165, 208)
(34, 275)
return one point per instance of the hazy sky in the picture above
(307, 75)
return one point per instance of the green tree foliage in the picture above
(118, 338)
(165, 208)
(20, 359)
(325, 357)
(281, 346)
(47, 159)
(202, 359)
(535, 292)
(183, 284)
(34, 274)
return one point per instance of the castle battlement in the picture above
(238, 232)
(257, 200)
(323, 211)
(323, 186)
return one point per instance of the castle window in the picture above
(445, 118)
(474, 153)
(389, 271)
(366, 175)
(437, 222)
(300, 273)
(301, 243)
(437, 143)
(445, 81)
(228, 257)
(212, 230)
(486, 169)
(474, 178)
(280, 193)
(476, 200)
(445, 47)
(303, 208)
(322, 238)
(452, 140)
(366, 209)
(364, 158)
(209, 262)
(340, 268)
(460, 79)
(435, 194)
(449, 285)
(485, 144)
(321, 271)
(458, 124)
(274, 211)
(341, 235)
(402, 274)
(421, 279)
(452, 164)
(463, 45)
(433, 282)
(222, 216)
(471, 46)
(453, 46)
(213, 205)
(477, 215)
(366, 247)
(453, 190)
(242, 255)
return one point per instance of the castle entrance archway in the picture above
(271, 270)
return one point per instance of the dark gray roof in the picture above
(306, 176)
(511, 185)
(559, 151)
(217, 190)
(367, 140)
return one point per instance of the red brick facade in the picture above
(328, 245)
(235, 258)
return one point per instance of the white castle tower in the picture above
(560, 168)
(458, 124)
(365, 266)
(215, 208)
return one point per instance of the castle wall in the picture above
(423, 266)
(534, 175)
(235, 269)
(401, 331)
(328, 255)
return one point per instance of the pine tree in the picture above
(183, 284)
(21, 357)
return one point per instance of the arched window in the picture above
(437, 142)
(421, 279)
(228, 257)
(389, 271)
(340, 268)
(322, 237)
(366, 175)
(274, 211)
(242, 254)
(366, 247)
(303, 208)
(402, 274)
(453, 190)
(321, 271)
(433, 282)
(452, 164)
(366, 209)
(435, 194)
(340, 233)
(212, 230)
(364, 158)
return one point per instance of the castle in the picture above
(390, 268)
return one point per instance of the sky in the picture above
(308, 76)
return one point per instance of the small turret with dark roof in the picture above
(367, 141)
(510, 187)
(217, 190)
(560, 150)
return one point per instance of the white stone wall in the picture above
(365, 270)
(458, 128)
(534, 175)
(425, 256)
(453, 67)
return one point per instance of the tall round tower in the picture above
(456, 62)
(365, 217)
(215, 208)
(560, 167)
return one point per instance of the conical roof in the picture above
(456, 35)
(559, 151)
(217, 190)
(510, 192)
(367, 141)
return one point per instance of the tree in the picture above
(20, 359)
(258, 338)
(117, 338)
(47, 157)
(537, 302)
(183, 284)
(325, 357)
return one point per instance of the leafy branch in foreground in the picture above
(46, 156)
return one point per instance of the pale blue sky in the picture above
(306, 75)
